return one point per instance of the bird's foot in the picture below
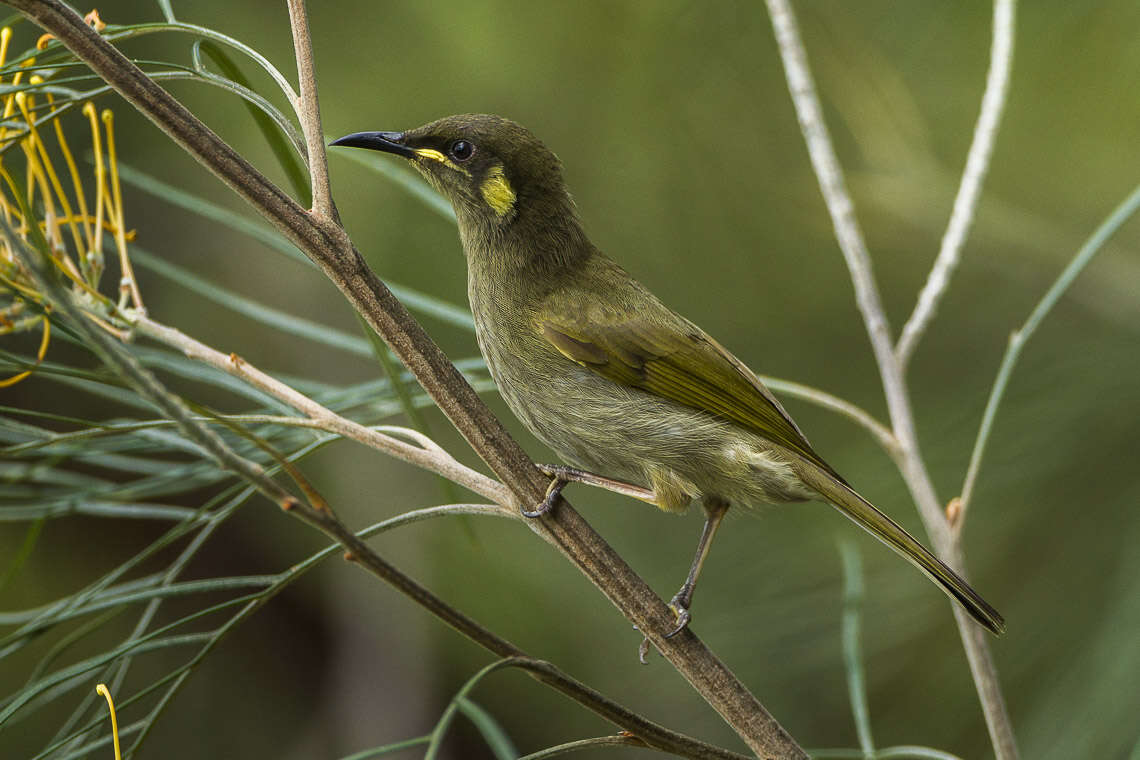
(558, 481)
(679, 604)
(643, 650)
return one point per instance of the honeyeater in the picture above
(631, 394)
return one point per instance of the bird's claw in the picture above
(681, 611)
(552, 493)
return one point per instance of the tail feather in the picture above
(866, 516)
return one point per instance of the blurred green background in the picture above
(682, 150)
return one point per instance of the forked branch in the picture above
(911, 463)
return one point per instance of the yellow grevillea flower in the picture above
(59, 207)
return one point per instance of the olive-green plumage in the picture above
(605, 374)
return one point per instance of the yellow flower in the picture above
(73, 229)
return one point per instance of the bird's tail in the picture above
(864, 514)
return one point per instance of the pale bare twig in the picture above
(836, 404)
(977, 165)
(570, 748)
(911, 464)
(427, 454)
(309, 111)
(901, 752)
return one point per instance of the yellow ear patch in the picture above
(498, 193)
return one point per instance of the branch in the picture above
(427, 455)
(826, 400)
(911, 464)
(1022, 335)
(309, 110)
(573, 747)
(902, 752)
(327, 244)
(977, 164)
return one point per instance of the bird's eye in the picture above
(461, 150)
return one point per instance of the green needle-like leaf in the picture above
(281, 148)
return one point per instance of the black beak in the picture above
(388, 142)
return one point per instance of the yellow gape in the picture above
(435, 155)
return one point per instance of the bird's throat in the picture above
(538, 246)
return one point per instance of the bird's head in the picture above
(493, 170)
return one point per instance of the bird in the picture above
(633, 396)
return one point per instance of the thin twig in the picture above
(977, 164)
(329, 247)
(842, 406)
(911, 463)
(580, 744)
(427, 455)
(310, 112)
(1020, 336)
(901, 752)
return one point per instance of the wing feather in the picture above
(685, 366)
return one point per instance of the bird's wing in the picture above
(684, 365)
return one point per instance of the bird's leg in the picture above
(715, 510)
(560, 475)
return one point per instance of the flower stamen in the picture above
(40, 202)
(103, 691)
